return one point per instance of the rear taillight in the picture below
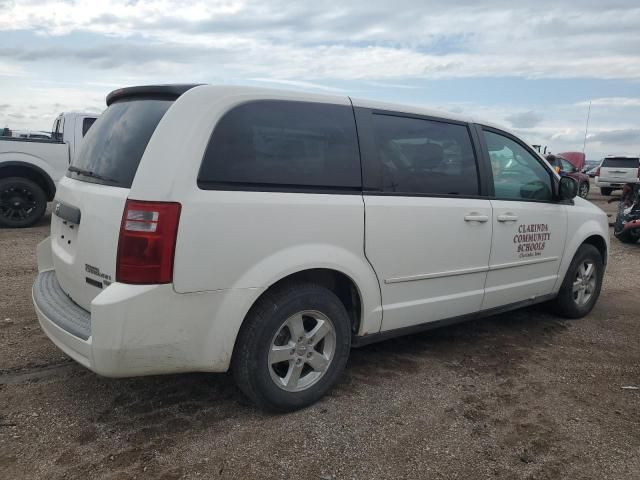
(147, 242)
(598, 172)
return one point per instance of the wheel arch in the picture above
(345, 288)
(591, 232)
(31, 172)
(600, 243)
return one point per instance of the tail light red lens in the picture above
(598, 172)
(147, 242)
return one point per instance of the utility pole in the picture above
(586, 129)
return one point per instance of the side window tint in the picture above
(86, 125)
(425, 156)
(517, 174)
(284, 144)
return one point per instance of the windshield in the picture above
(621, 162)
(114, 145)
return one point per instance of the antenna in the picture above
(586, 129)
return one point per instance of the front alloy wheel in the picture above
(581, 285)
(584, 284)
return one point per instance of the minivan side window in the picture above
(419, 156)
(517, 174)
(283, 146)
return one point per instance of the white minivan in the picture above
(215, 228)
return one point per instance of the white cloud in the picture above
(362, 39)
(612, 102)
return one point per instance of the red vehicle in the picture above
(577, 159)
(565, 167)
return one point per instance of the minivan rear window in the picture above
(283, 146)
(621, 162)
(114, 144)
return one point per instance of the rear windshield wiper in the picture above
(89, 173)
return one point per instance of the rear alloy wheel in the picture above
(22, 202)
(583, 191)
(302, 350)
(292, 347)
(582, 283)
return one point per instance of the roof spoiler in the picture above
(168, 92)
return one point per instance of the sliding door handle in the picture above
(507, 217)
(476, 217)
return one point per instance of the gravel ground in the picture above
(520, 395)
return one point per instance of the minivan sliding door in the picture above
(427, 229)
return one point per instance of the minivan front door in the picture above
(529, 227)
(427, 230)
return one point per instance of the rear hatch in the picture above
(620, 169)
(90, 200)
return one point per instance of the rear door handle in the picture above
(507, 217)
(476, 217)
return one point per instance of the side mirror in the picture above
(567, 188)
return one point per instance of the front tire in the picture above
(583, 190)
(606, 191)
(292, 347)
(22, 202)
(582, 283)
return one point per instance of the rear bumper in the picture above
(608, 183)
(135, 330)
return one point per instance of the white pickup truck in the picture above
(30, 168)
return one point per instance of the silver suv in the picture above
(614, 172)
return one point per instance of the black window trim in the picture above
(554, 181)
(209, 185)
(372, 181)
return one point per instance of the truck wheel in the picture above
(22, 202)
(583, 191)
(292, 347)
(606, 191)
(582, 283)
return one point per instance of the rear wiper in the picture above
(91, 174)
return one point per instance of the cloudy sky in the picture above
(530, 65)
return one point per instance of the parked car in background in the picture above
(592, 171)
(614, 172)
(590, 165)
(31, 166)
(564, 167)
(207, 228)
(577, 159)
(37, 135)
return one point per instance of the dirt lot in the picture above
(519, 395)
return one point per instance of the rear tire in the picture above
(581, 286)
(292, 347)
(606, 191)
(22, 202)
(583, 190)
